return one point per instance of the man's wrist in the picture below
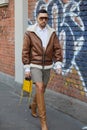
(57, 65)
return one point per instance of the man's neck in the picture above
(41, 27)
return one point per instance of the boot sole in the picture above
(34, 115)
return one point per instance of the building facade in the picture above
(68, 17)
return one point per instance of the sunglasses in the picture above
(43, 18)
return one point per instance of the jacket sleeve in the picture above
(26, 50)
(57, 50)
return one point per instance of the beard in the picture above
(43, 25)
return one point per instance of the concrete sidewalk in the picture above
(63, 113)
(68, 105)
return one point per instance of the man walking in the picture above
(40, 49)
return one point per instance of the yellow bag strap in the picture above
(21, 96)
(29, 97)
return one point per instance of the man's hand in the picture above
(57, 67)
(27, 74)
(59, 71)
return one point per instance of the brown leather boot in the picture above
(33, 107)
(42, 110)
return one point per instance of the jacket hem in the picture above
(41, 67)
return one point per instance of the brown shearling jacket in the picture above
(33, 52)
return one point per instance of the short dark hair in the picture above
(42, 11)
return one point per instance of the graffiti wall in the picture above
(68, 17)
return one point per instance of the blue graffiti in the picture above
(71, 25)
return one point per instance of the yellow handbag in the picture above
(27, 85)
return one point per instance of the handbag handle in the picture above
(28, 78)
